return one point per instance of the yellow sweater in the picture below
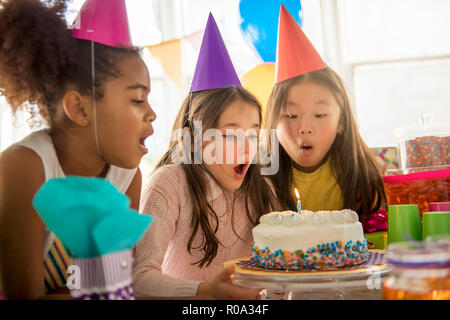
(319, 189)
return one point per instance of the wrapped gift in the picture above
(375, 229)
(377, 240)
(386, 158)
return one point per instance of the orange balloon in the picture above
(260, 81)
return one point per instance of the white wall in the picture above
(394, 57)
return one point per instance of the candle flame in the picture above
(297, 194)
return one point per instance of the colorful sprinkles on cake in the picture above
(327, 255)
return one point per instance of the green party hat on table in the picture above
(89, 215)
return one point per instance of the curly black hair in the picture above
(39, 58)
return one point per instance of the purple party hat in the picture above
(214, 67)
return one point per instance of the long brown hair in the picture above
(207, 106)
(352, 162)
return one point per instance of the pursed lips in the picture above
(306, 146)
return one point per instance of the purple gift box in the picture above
(439, 206)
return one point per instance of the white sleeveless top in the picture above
(41, 143)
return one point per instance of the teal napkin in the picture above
(89, 215)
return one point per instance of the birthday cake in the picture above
(311, 240)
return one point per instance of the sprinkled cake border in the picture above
(323, 256)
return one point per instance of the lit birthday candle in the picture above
(299, 203)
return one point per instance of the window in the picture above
(394, 57)
(397, 56)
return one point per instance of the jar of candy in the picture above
(425, 145)
(418, 271)
(420, 186)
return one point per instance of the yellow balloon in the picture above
(260, 81)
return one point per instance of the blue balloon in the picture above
(260, 23)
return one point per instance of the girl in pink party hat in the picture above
(204, 208)
(321, 151)
(90, 86)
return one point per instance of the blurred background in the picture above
(394, 57)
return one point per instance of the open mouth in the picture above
(240, 169)
(142, 144)
(147, 134)
(306, 147)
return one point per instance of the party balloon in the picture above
(260, 81)
(260, 23)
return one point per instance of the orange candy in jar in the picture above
(418, 272)
(424, 157)
(419, 186)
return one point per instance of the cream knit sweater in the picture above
(163, 266)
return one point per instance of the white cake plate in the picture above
(364, 282)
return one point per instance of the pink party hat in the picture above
(214, 67)
(103, 21)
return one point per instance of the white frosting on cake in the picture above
(291, 231)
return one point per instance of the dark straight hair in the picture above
(352, 162)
